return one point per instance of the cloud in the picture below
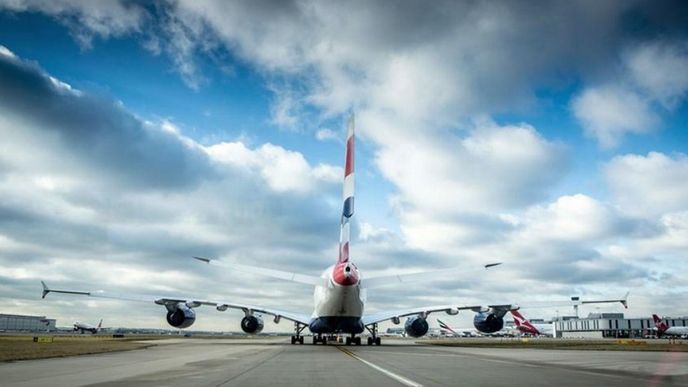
(6, 52)
(658, 68)
(100, 129)
(85, 19)
(283, 170)
(327, 134)
(608, 113)
(650, 74)
(466, 190)
(572, 218)
(86, 184)
(649, 185)
(449, 188)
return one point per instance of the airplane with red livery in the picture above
(525, 326)
(663, 328)
(339, 292)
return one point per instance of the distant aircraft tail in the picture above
(100, 325)
(660, 324)
(523, 324)
(519, 320)
(445, 327)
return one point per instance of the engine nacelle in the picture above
(181, 317)
(487, 322)
(252, 324)
(416, 327)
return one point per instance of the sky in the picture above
(550, 136)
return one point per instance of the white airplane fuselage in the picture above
(338, 306)
(676, 331)
(542, 329)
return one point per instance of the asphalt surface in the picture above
(207, 362)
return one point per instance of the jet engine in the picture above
(416, 326)
(181, 316)
(488, 322)
(252, 324)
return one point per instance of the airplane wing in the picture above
(386, 280)
(498, 309)
(378, 317)
(189, 302)
(283, 275)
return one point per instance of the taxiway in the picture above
(261, 362)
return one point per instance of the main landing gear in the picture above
(297, 338)
(373, 339)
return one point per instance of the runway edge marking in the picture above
(398, 378)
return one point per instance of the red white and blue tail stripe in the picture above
(348, 194)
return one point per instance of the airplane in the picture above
(664, 329)
(456, 332)
(87, 327)
(525, 326)
(339, 292)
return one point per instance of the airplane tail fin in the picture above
(347, 194)
(444, 326)
(100, 325)
(659, 324)
(518, 318)
(46, 290)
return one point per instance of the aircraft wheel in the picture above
(347, 340)
(324, 340)
(293, 340)
(378, 341)
(358, 340)
(315, 340)
(301, 340)
(370, 341)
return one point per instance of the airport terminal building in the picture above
(16, 322)
(601, 325)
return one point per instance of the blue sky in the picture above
(555, 143)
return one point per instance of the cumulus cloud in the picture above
(608, 113)
(658, 68)
(85, 19)
(416, 76)
(572, 218)
(283, 170)
(327, 134)
(651, 74)
(653, 184)
(449, 188)
(83, 171)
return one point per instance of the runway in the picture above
(249, 362)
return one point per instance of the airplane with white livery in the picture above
(663, 328)
(449, 331)
(525, 326)
(83, 327)
(339, 292)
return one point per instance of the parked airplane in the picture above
(457, 332)
(664, 329)
(87, 327)
(525, 326)
(340, 292)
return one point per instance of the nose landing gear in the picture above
(353, 340)
(319, 339)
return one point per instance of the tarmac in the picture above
(262, 362)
